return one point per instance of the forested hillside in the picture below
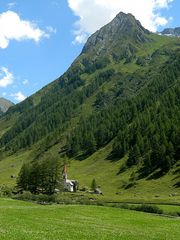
(123, 89)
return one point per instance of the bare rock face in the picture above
(124, 27)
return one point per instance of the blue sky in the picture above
(40, 39)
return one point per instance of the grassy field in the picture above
(105, 171)
(22, 220)
(114, 185)
(11, 166)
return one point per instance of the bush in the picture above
(125, 206)
(148, 208)
(40, 198)
(25, 196)
(5, 191)
(142, 208)
(46, 198)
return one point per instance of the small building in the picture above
(69, 185)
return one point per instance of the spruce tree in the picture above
(93, 184)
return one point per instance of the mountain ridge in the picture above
(5, 105)
(171, 31)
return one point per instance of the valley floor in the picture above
(116, 186)
(22, 220)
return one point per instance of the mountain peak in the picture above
(123, 28)
(5, 105)
(127, 24)
(122, 17)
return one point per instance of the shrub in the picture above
(46, 198)
(125, 206)
(40, 198)
(5, 191)
(25, 196)
(142, 208)
(148, 208)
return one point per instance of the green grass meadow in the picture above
(106, 173)
(22, 220)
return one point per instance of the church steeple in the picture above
(65, 172)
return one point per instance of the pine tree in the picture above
(23, 177)
(134, 155)
(147, 163)
(93, 184)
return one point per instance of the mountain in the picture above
(123, 29)
(171, 32)
(116, 107)
(5, 105)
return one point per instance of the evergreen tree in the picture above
(134, 155)
(43, 176)
(93, 184)
(23, 177)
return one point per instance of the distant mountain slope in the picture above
(172, 31)
(5, 105)
(123, 89)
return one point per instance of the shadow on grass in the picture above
(143, 173)
(130, 185)
(176, 177)
(122, 169)
(177, 185)
(157, 174)
(82, 157)
(177, 171)
(177, 174)
(111, 157)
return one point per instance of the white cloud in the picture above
(19, 96)
(6, 78)
(80, 38)
(14, 28)
(11, 4)
(51, 29)
(96, 13)
(25, 82)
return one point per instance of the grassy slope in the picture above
(20, 220)
(97, 166)
(10, 167)
(106, 174)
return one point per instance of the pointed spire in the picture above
(65, 172)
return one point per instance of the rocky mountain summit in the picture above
(5, 105)
(123, 29)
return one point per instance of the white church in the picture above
(69, 185)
